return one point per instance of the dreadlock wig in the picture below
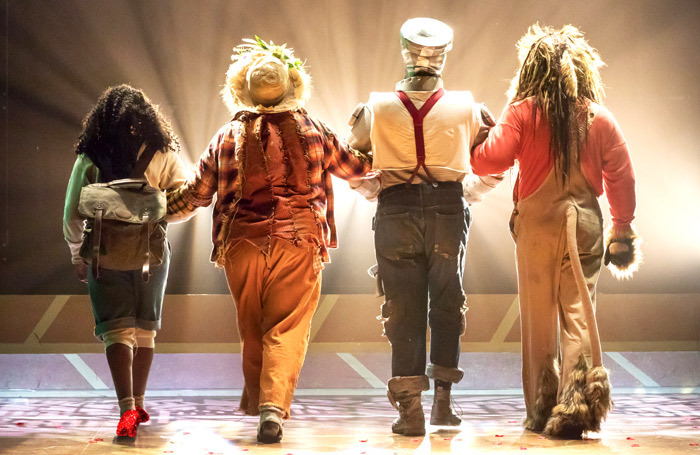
(114, 130)
(560, 71)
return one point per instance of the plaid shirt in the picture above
(218, 173)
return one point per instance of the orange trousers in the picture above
(276, 295)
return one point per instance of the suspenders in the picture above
(418, 116)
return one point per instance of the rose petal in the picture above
(523, 448)
(499, 435)
(635, 445)
(363, 440)
(20, 424)
(497, 443)
(694, 444)
(630, 439)
(512, 421)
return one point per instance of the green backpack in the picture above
(125, 223)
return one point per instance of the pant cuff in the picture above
(446, 374)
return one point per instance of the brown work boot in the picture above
(404, 392)
(442, 413)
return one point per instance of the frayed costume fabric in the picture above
(273, 220)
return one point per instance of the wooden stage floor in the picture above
(64, 404)
(359, 424)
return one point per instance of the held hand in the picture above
(80, 271)
(481, 135)
(487, 117)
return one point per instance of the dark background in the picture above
(58, 56)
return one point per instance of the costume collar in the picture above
(420, 84)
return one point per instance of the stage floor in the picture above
(64, 404)
(349, 424)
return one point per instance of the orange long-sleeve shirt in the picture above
(605, 158)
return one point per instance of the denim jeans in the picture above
(420, 238)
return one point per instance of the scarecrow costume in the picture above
(270, 167)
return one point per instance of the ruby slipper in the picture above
(128, 423)
(143, 415)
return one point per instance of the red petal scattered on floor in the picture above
(20, 424)
(499, 435)
(635, 445)
(630, 439)
(446, 439)
(99, 439)
(694, 444)
(523, 448)
(415, 440)
(363, 440)
(91, 441)
(497, 443)
(512, 421)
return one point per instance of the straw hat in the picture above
(265, 78)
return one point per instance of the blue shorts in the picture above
(121, 299)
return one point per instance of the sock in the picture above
(443, 385)
(126, 404)
(138, 400)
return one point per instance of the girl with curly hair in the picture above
(118, 130)
(569, 148)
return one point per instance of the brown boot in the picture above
(442, 413)
(404, 392)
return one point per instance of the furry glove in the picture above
(622, 252)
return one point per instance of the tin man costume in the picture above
(420, 136)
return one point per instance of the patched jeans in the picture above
(420, 238)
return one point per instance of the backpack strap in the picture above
(146, 230)
(97, 230)
(418, 116)
(143, 162)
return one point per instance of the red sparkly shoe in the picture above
(128, 423)
(143, 415)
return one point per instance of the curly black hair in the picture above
(122, 120)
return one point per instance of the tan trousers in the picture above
(275, 296)
(551, 310)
